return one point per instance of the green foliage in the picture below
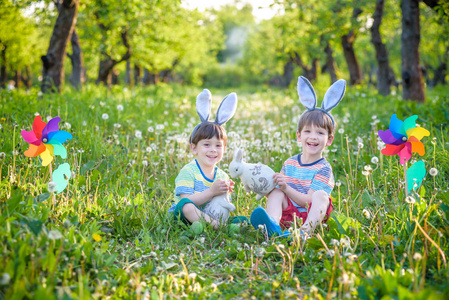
(109, 235)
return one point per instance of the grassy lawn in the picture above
(108, 234)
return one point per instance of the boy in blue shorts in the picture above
(201, 180)
(306, 180)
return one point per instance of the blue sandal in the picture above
(260, 217)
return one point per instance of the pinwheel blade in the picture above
(418, 132)
(395, 127)
(417, 146)
(61, 177)
(38, 126)
(415, 175)
(405, 154)
(58, 148)
(409, 123)
(30, 137)
(388, 138)
(61, 136)
(46, 156)
(34, 150)
(53, 125)
(392, 149)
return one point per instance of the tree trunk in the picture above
(412, 77)
(18, 78)
(439, 75)
(288, 73)
(330, 63)
(347, 41)
(114, 77)
(146, 80)
(107, 63)
(3, 73)
(128, 73)
(53, 61)
(77, 76)
(26, 79)
(309, 73)
(383, 84)
(136, 74)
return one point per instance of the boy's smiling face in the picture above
(313, 139)
(208, 152)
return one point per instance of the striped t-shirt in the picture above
(191, 180)
(316, 176)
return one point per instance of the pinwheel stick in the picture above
(406, 183)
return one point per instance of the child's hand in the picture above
(231, 186)
(279, 179)
(219, 187)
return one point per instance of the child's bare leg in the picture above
(320, 203)
(193, 214)
(276, 202)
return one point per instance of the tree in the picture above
(383, 74)
(412, 77)
(77, 77)
(53, 61)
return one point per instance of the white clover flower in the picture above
(120, 107)
(433, 172)
(105, 116)
(374, 159)
(51, 187)
(138, 134)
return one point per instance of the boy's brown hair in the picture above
(317, 118)
(208, 131)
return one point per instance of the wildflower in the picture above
(145, 163)
(360, 145)
(96, 237)
(160, 126)
(368, 168)
(410, 200)
(105, 116)
(338, 183)
(102, 103)
(2, 155)
(120, 107)
(433, 172)
(51, 187)
(67, 125)
(15, 152)
(341, 131)
(366, 214)
(84, 123)
(138, 134)
(417, 256)
(4, 280)
(150, 129)
(334, 242)
(374, 160)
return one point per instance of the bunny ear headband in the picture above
(331, 99)
(225, 111)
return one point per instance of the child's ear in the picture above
(298, 135)
(330, 140)
(193, 148)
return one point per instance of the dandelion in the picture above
(138, 134)
(96, 237)
(374, 159)
(151, 129)
(145, 163)
(341, 131)
(360, 145)
(2, 155)
(160, 126)
(433, 172)
(366, 214)
(417, 256)
(51, 187)
(120, 107)
(410, 200)
(84, 123)
(105, 116)
(67, 125)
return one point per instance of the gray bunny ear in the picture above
(334, 95)
(203, 103)
(227, 109)
(306, 93)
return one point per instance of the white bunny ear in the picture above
(203, 104)
(227, 109)
(334, 95)
(238, 155)
(306, 93)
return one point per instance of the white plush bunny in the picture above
(219, 206)
(331, 99)
(255, 177)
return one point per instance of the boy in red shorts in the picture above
(306, 180)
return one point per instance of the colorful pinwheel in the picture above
(403, 138)
(46, 140)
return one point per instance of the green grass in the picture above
(374, 245)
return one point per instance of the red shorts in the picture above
(289, 213)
